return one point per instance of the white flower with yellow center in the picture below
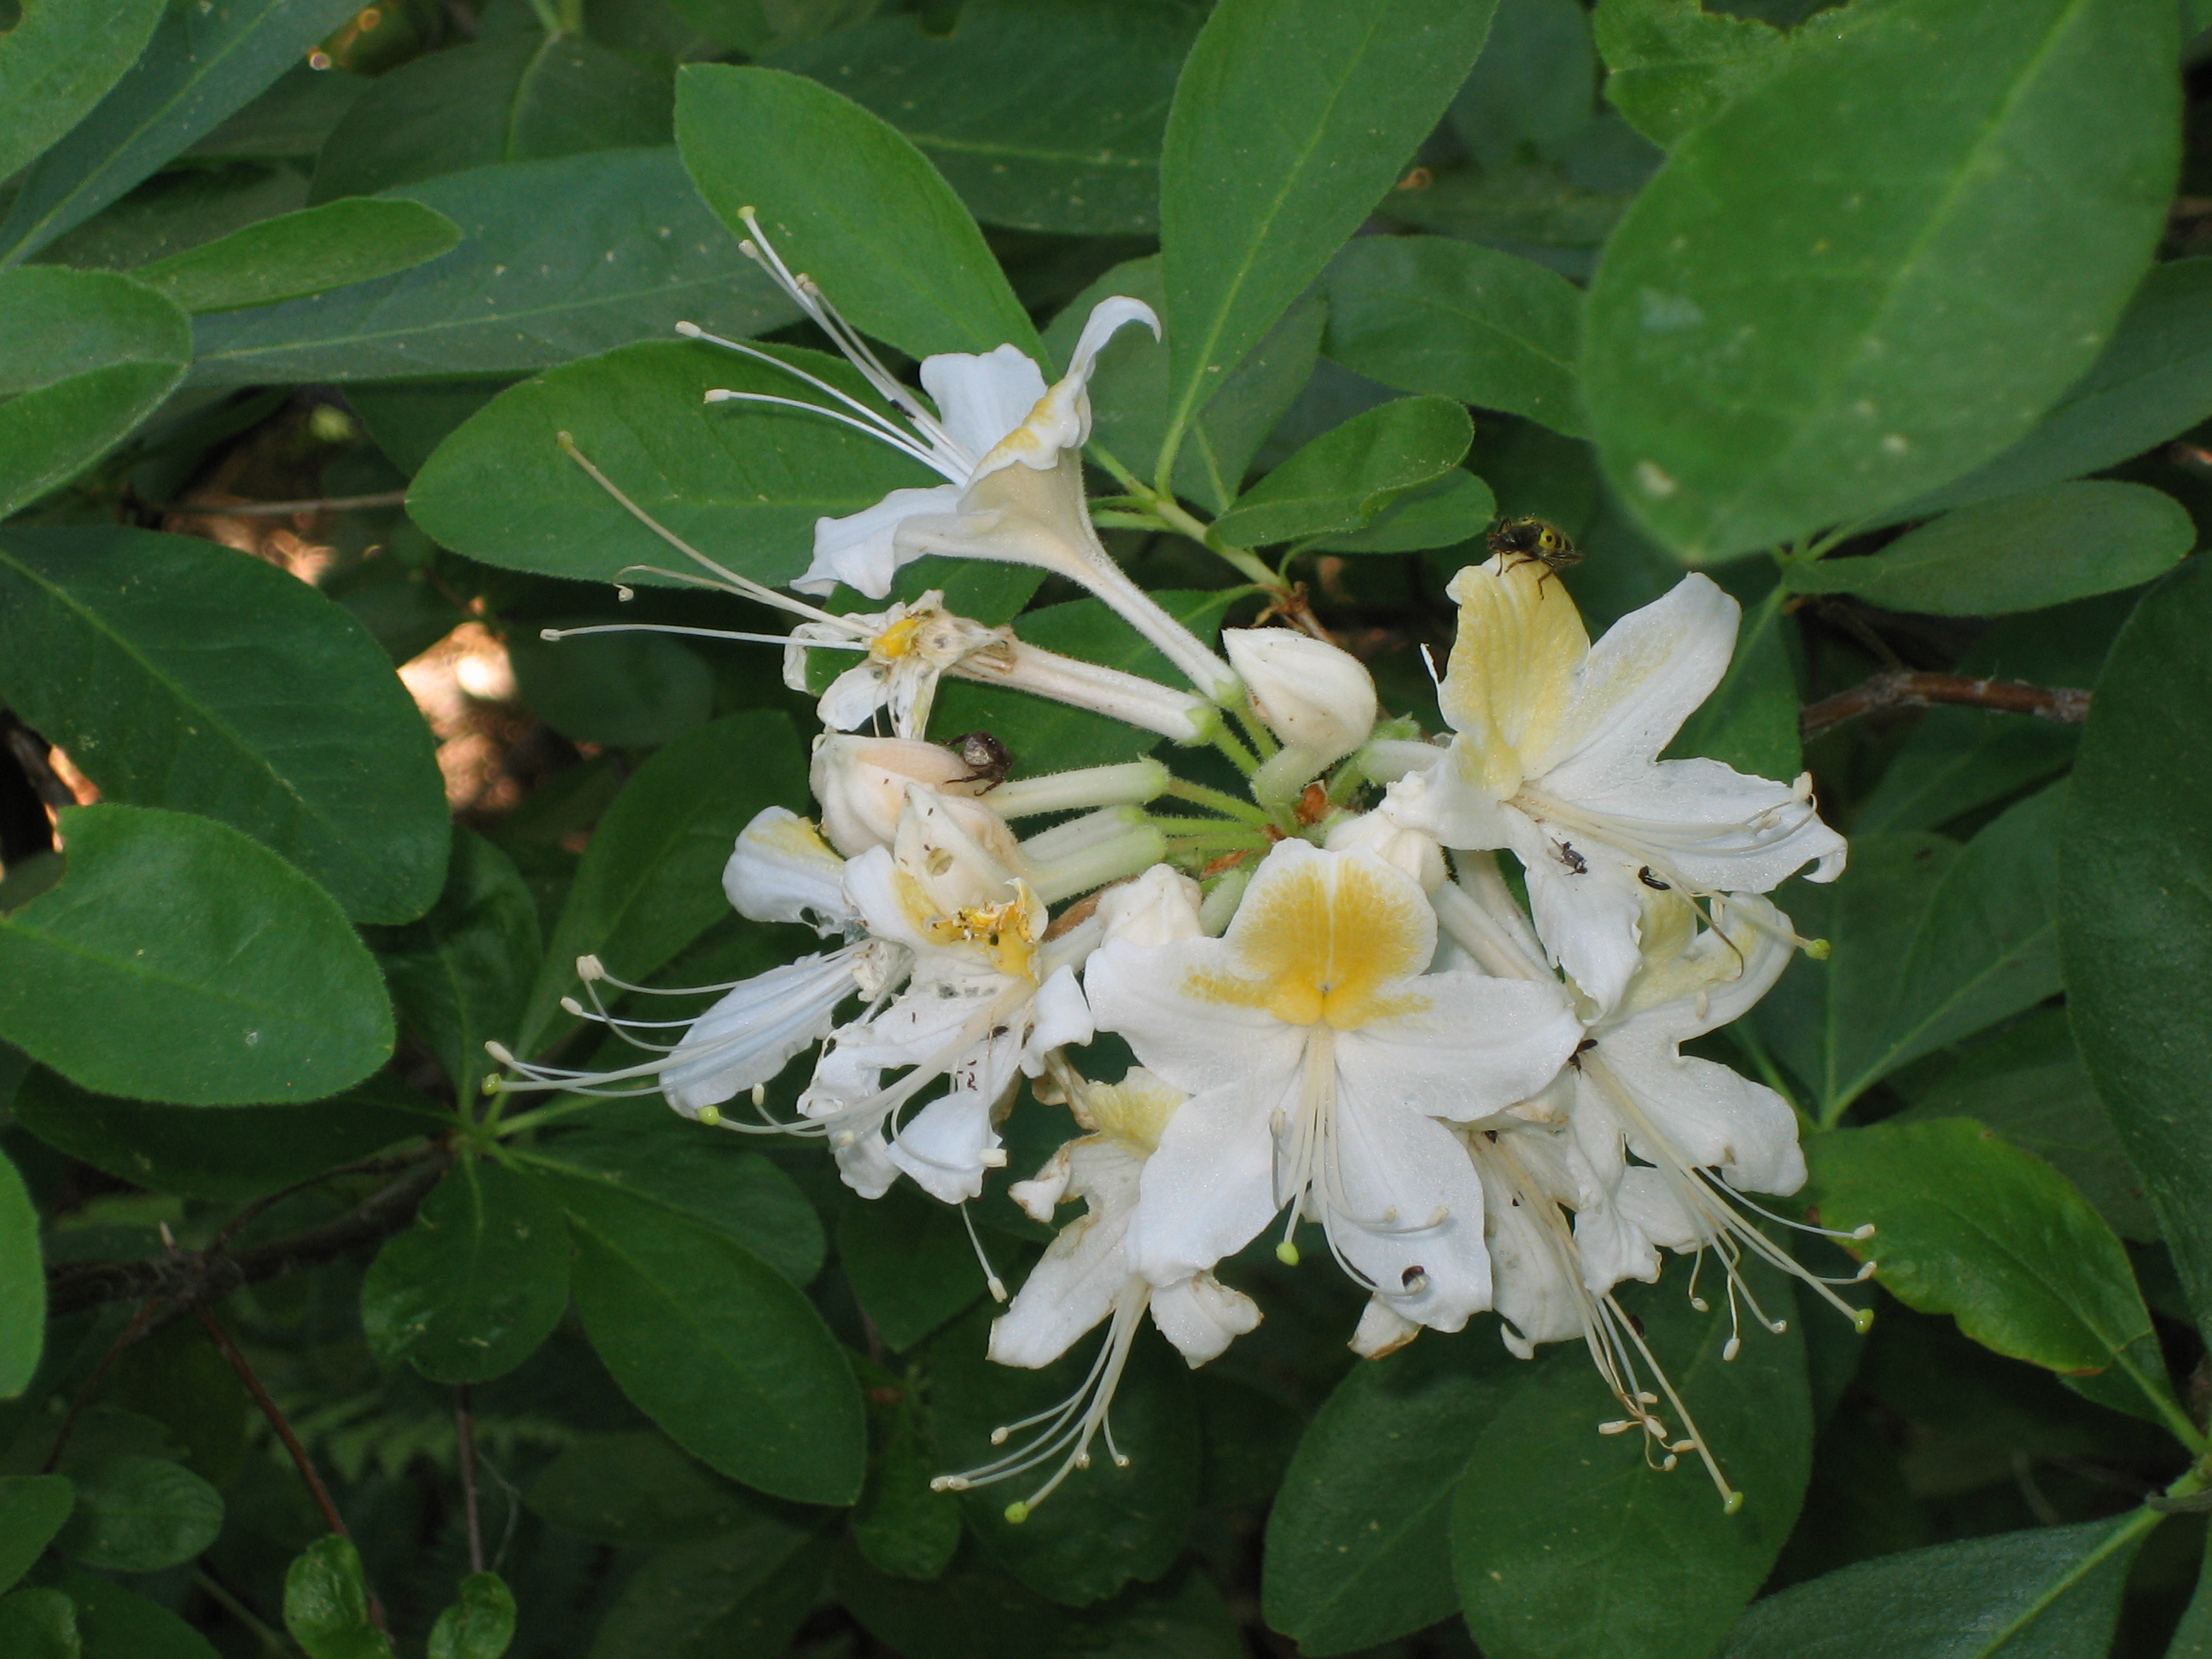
(1009, 448)
(1087, 1276)
(909, 648)
(1319, 1057)
(1556, 757)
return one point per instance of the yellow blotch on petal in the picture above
(1316, 942)
(1505, 690)
(1134, 1110)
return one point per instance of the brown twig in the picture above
(280, 509)
(464, 1438)
(332, 1518)
(261, 1207)
(131, 1333)
(1905, 688)
(210, 1275)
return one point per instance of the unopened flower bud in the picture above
(1314, 696)
(1158, 907)
(1414, 851)
(861, 784)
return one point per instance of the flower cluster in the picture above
(1348, 1013)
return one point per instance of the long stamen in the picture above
(554, 635)
(904, 445)
(693, 332)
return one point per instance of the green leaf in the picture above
(1422, 313)
(734, 1596)
(2134, 918)
(55, 63)
(326, 1603)
(303, 253)
(715, 1347)
(178, 1380)
(22, 1284)
(201, 63)
(973, 1612)
(38, 1624)
(1672, 64)
(469, 1290)
(1043, 114)
(1621, 1560)
(480, 1625)
(562, 257)
(1930, 944)
(909, 1263)
(1291, 119)
(1345, 477)
(243, 1152)
(458, 975)
(1454, 509)
(171, 670)
(520, 97)
(84, 357)
(1957, 761)
(850, 202)
(638, 1491)
(742, 482)
(2152, 382)
(1810, 315)
(2052, 1593)
(651, 881)
(2028, 1084)
(1535, 85)
(290, 121)
(236, 977)
(32, 1510)
(139, 1514)
(1968, 1225)
(1750, 721)
(120, 1623)
(2018, 553)
(620, 690)
(904, 1526)
(1359, 1539)
(409, 419)
(1104, 1526)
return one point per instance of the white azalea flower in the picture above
(1320, 1059)
(1556, 757)
(909, 648)
(1087, 1275)
(1009, 448)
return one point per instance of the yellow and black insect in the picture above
(1534, 541)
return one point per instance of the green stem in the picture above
(1263, 741)
(553, 1114)
(1216, 801)
(2169, 1410)
(1239, 757)
(1219, 840)
(548, 19)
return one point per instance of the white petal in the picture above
(1713, 1116)
(854, 697)
(1158, 907)
(860, 548)
(1381, 1331)
(863, 1164)
(942, 1145)
(1411, 1217)
(1108, 316)
(1202, 1316)
(980, 399)
(1136, 991)
(1721, 830)
(1059, 1017)
(752, 1033)
(1210, 1187)
(1587, 904)
(783, 871)
(1480, 1045)
(1083, 1268)
(1638, 683)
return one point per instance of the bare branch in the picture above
(1903, 688)
(280, 509)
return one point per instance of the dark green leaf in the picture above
(1535, 83)
(902, 1524)
(84, 357)
(289, 121)
(1044, 114)
(408, 420)
(973, 1612)
(237, 977)
(651, 881)
(1811, 315)
(1359, 1539)
(1621, 1560)
(171, 670)
(120, 1624)
(480, 1625)
(201, 63)
(1291, 118)
(1671, 64)
(303, 253)
(1104, 1526)
(32, 1510)
(738, 1594)
(246, 1152)
(177, 1378)
(1930, 944)
(2135, 920)
(1344, 478)
(56, 61)
(743, 482)
(848, 201)
(2018, 553)
(2050, 1594)
(326, 1603)
(22, 1284)
(468, 1292)
(638, 1491)
(1960, 760)
(521, 97)
(622, 690)
(715, 1347)
(458, 975)
(2153, 380)
(1970, 1226)
(139, 1514)
(38, 1624)
(630, 251)
(1422, 313)
(2029, 1084)
(909, 1263)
